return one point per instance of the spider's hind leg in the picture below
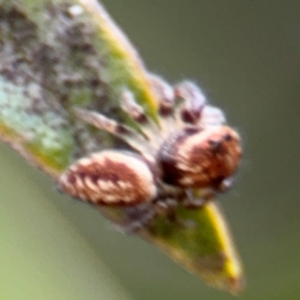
(136, 112)
(121, 131)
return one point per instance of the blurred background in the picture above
(246, 57)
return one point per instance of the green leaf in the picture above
(61, 54)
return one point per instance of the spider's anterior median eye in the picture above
(110, 178)
(200, 158)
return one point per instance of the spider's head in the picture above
(200, 158)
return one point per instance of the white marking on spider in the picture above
(104, 185)
(84, 162)
(125, 185)
(79, 183)
(75, 10)
(90, 184)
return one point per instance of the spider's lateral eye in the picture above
(110, 178)
(199, 158)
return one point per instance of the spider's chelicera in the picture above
(189, 150)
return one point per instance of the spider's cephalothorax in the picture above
(190, 148)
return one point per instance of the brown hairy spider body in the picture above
(110, 178)
(190, 148)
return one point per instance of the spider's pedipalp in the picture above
(123, 132)
(194, 101)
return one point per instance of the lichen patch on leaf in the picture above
(44, 71)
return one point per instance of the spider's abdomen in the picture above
(200, 158)
(110, 178)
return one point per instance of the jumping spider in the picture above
(189, 149)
